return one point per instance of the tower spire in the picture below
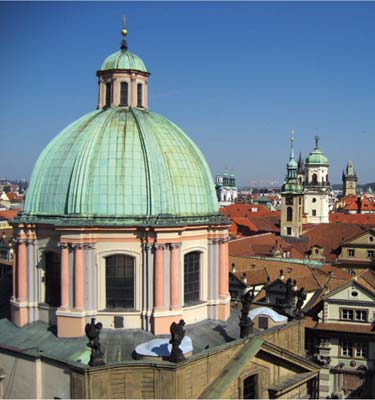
(291, 156)
(124, 32)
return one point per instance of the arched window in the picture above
(108, 90)
(52, 279)
(124, 93)
(192, 277)
(314, 179)
(119, 282)
(289, 214)
(139, 95)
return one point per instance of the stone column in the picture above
(101, 93)
(159, 277)
(114, 92)
(79, 296)
(133, 92)
(223, 269)
(15, 272)
(175, 276)
(22, 271)
(64, 275)
(145, 96)
(224, 298)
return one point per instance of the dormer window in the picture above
(124, 93)
(108, 90)
(139, 95)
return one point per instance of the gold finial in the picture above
(124, 31)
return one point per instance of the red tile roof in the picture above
(245, 210)
(257, 271)
(14, 197)
(264, 245)
(9, 214)
(365, 219)
(330, 236)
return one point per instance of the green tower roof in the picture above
(316, 157)
(123, 59)
(121, 163)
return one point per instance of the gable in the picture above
(364, 239)
(352, 292)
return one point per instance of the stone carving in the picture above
(323, 360)
(177, 335)
(301, 297)
(246, 324)
(92, 332)
(324, 342)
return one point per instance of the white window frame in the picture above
(345, 314)
(347, 349)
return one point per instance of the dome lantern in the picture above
(123, 79)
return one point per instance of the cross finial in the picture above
(124, 32)
(316, 141)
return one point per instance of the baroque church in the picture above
(305, 193)
(121, 226)
(121, 198)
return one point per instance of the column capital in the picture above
(175, 246)
(223, 240)
(62, 245)
(88, 246)
(76, 246)
(147, 246)
(159, 246)
(19, 241)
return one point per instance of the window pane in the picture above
(53, 290)
(119, 282)
(250, 387)
(139, 95)
(124, 94)
(191, 277)
(108, 94)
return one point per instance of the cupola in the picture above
(123, 79)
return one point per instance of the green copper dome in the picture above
(123, 59)
(121, 163)
(316, 157)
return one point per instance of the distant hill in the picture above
(364, 187)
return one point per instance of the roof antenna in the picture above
(124, 32)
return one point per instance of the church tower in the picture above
(291, 198)
(316, 188)
(301, 170)
(349, 180)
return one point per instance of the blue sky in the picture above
(237, 77)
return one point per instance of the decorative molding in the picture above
(62, 245)
(175, 246)
(159, 246)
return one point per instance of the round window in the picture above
(354, 293)
(314, 200)
(371, 239)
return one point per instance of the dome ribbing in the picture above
(123, 59)
(121, 162)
